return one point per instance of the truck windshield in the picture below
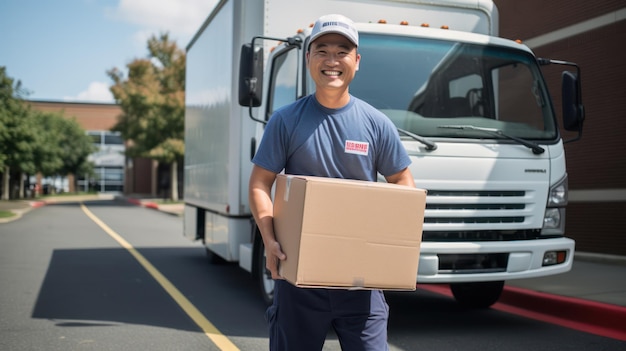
(423, 85)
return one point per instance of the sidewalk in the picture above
(592, 294)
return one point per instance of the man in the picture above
(310, 137)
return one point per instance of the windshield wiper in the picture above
(430, 146)
(537, 150)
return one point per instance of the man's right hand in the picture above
(273, 256)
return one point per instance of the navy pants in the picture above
(300, 318)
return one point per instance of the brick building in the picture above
(114, 173)
(591, 34)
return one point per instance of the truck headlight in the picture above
(558, 193)
(554, 217)
(554, 221)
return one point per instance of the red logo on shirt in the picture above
(356, 147)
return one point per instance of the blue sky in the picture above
(61, 50)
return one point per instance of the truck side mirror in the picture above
(251, 76)
(573, 110)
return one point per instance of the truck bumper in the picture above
(525, 260)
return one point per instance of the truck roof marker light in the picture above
(300, 31)
(404, 23)
(425, 25)
(519, 41)
(382, 21)
(445, 27)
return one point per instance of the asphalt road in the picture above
(112, 276)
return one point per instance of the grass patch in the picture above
(6, 214)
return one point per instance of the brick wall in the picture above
(597, 161)
(90, 116)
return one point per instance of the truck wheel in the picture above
(477, 295)
(261, 274)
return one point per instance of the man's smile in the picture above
(332, 73)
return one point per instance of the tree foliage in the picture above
(37, 142)
(17, 134)
(153, 102)
(64, 147)
(152, 98)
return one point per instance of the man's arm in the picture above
(404, 177)
(261, 181)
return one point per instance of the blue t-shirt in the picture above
(352, 142)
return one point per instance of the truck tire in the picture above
(478, 294)
(260, 273)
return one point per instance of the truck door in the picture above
(285, 72)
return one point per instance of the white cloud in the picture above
(140, 38)
(96, 92)
(181, 18)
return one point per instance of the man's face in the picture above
(333, 61)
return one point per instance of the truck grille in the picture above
(481, 235)
(474, 220)
(477, 215)
(477, 193)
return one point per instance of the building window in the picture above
(108, 164)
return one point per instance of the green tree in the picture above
(64, 146)
(153, 105)
(36, 142)
(17, 134)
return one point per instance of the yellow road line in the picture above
(219, 339)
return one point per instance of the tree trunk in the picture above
(154, 179)
(174, 182)
(21, 193)
(5, 183)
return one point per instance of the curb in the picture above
(133, 201)
(19, 213)
(37, 204)
(595, 317)
(148, 204)
(588, 316)
(137, 202)
(151, 205)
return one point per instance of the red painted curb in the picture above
(589, 316)
(134, 201)
(137, 202)
(151, 205)
(595, 317)
(37, 204)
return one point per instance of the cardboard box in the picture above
(348, 234)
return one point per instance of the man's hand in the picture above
(260, 187)
(273, 255)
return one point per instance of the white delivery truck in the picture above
(472, 109)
